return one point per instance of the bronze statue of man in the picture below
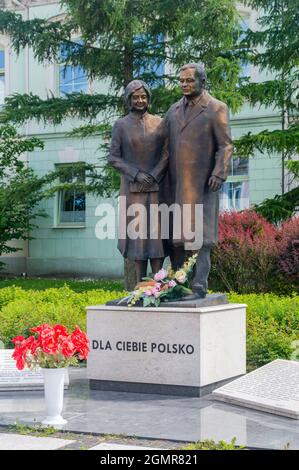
(200, 149)
(138, 151)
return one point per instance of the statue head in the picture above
(137, 96)
(192, 79)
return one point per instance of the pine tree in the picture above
(275, 49)
(122, 40)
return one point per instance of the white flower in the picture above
(180, 276)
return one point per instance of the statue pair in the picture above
(182, 159)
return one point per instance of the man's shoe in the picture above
(195, 295)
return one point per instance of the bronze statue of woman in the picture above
(138, 151)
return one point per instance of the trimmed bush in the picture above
(77, 285)
(288, 260)
(24, 309)
(272, 321)
(272, 326)
(246, 258)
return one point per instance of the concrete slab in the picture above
(20, 442)
(111, 446)
(153, 416)
(169, 351)
(273, 388)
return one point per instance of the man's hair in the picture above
(199, 69)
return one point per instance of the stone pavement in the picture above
(156, 420)
(18, 442)
(12, 441)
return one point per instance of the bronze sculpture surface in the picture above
(138, 152)
(200, 149)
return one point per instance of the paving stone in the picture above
(111, 446)
(151, 418)
(20, 442)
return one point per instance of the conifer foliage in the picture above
(274, 49)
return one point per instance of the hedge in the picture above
(272, 320)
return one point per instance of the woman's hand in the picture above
(145, 180)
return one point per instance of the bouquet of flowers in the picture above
(165, 285)
(50, 347)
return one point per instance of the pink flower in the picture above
(171, 283)
(160, 275)
(157, 286)
(148, 293)
(156, 293)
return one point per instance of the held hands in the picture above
(215, 183)
(144, 179)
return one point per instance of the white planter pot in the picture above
(54, 389)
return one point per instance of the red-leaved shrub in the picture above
(246, 257)
(288, 260)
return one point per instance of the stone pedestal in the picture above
(173, 351)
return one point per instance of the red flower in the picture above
(67, 347)
(18, 339)
(22, 349)
(20, 362)
(47, 340)
(50, 341)
(60, 330)
(80, 341)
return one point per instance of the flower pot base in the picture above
(54, 389)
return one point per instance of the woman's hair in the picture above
(134, 86)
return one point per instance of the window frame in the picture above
(59, 67)
(245, 18)
(234, 179)
(58, 204)
(3, 71)
(242, 178)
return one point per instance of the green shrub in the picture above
(209, 444)
(22, 310)
(272, 321)
(77, 285)
(272, 326)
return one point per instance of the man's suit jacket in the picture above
(200, 145)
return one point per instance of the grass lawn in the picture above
(76, 285)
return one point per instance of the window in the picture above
(238, 166)
(71, 202)
(2, 76)
(154, 71)
(71, 78)
(234, 194)
(244, 26)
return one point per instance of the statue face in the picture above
(139, 100)
(190, 83)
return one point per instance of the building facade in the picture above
(65, 242)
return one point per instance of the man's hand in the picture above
(215, 183)
(144, 179)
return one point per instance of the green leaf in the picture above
(147, 301)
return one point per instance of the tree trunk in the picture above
(129, 266)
